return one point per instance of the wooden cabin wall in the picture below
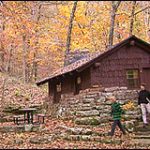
(112, 69)
(86, 79)
(67, 84)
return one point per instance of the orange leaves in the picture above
(47, 35)
(122, 17)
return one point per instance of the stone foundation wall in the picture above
(91, 106)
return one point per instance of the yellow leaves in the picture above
(128, 106)
(122, 17)
(48, 36)
(19, 135)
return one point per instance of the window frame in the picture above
(134, 78)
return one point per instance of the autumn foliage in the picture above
(33, 33)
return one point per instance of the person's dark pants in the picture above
(115, 123)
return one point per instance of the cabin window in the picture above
(133, 78)
(58, 87)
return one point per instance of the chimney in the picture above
(76, 55)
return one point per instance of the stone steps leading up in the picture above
(92, 138)
(95, 120)
(140, 128)
(91, 106)
(141, 136)
(144, 142)
(142, 133)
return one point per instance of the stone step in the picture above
(133, 113)
(141, 136)
(111, 89)
(142, 133)
(76, 130)
(102, 107)
(87, 113)
(88, 100)
(103, 115)
(20, 128)
(92, 95)
(141, 128)
(131, 117)
(88, 121)
(100, 100)
(92, 138)
(84, 108)
(96, 89)
(85, 105)
(93, 91)
(95, 120)
(145, 142)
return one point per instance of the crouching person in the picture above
(116, 112)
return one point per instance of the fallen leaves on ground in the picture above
(7, 140)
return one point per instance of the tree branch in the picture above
(140, 11)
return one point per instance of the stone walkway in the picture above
(142, 135)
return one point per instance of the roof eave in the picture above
(84, 66)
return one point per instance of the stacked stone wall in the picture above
(92, 107)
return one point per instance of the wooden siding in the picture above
(112, 69)
(67, 84)
(86, 79)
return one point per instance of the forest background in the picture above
(35, 36)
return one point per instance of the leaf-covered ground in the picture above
(22, 140)
(14, 93)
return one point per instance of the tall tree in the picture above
(132, 17)
(70, 27)
(115, 5)
(2, 47)
(37, 17)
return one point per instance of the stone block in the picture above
(84, 108)
(91, 96)
(87, 113)
(111, 89)
(107, 94)
(41, 139)
(88, 121)
(88, 100)
(123, 88)
(76, 130)
(102, 99)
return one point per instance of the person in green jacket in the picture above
(116, 113)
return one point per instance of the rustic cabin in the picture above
(125, 64)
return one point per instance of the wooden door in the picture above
(77, 85)
(57, 93)
(146, 77)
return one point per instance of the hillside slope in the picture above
(14, 93)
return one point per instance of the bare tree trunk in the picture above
(147, 21)
(132, 18)
(24, 59)
(118, 34)
(8, 69)
(70, 27)
(2, 48)
(115, 5)
(1, 57)
(35, 63)
(3, 94)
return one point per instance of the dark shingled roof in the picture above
(87, 61)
